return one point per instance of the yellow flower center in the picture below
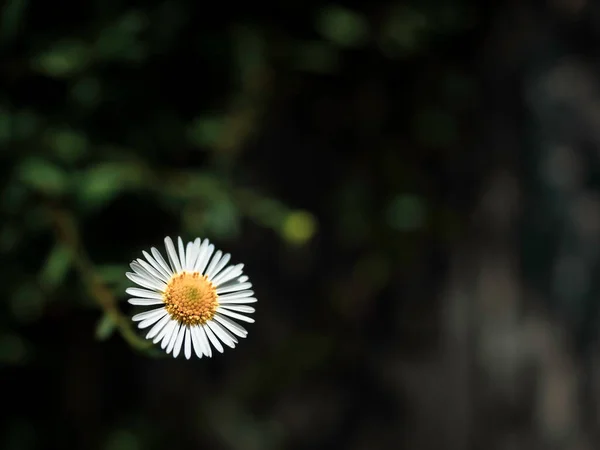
(191, 299)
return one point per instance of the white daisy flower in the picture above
(198, 296)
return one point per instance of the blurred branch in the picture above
(68, 234)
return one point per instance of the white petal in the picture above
(243, 278)
(155, 273)
(181, 253)
(228, 274)
(235, 328)
(187, 343)
(156, 285)
(235, 315)
(179, 341)
(222, 334)
(212, 338)
(219, 265)
(190, 256)
(172, 255)
(151, 320)
(165, 332)
(159, 258)
(213, 262)
(237, 301)
(239, 308)
(143, 293)
(147, 314)
(196, 342)
(233, 288)
(203, 340)
(203, 256)
(236, 295)
(158, 327)
(140, 270)
(144, 301)
(173, 338)
(159, 267)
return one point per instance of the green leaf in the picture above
(114, 275)
(119, 41)
(105, 328)
(101, 184)
(56, 267)
(263, 210)
(342, 26)
(64, 59)
(222, 218)
(207, 131)
(70, 145)
(402, 31)
(43, 176)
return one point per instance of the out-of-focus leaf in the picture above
(13, 349)
(119, 41)
(69, 145)
(207, 131)
(101, 184)
(64, 59)
(342, 26)
(222, 218)
(111, 273)
(43, 176)
(402, 31)
(105, 328)
(263, 210)
(27, 303)
(114, 275)
(299, 227)
(196, 185)
(13, 12)
(56, 267)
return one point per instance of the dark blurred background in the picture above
(413, 187)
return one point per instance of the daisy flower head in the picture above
(199, 296)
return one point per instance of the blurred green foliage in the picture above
(120, 125)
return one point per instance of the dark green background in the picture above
(341, 152)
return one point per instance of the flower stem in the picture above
(68, 234)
